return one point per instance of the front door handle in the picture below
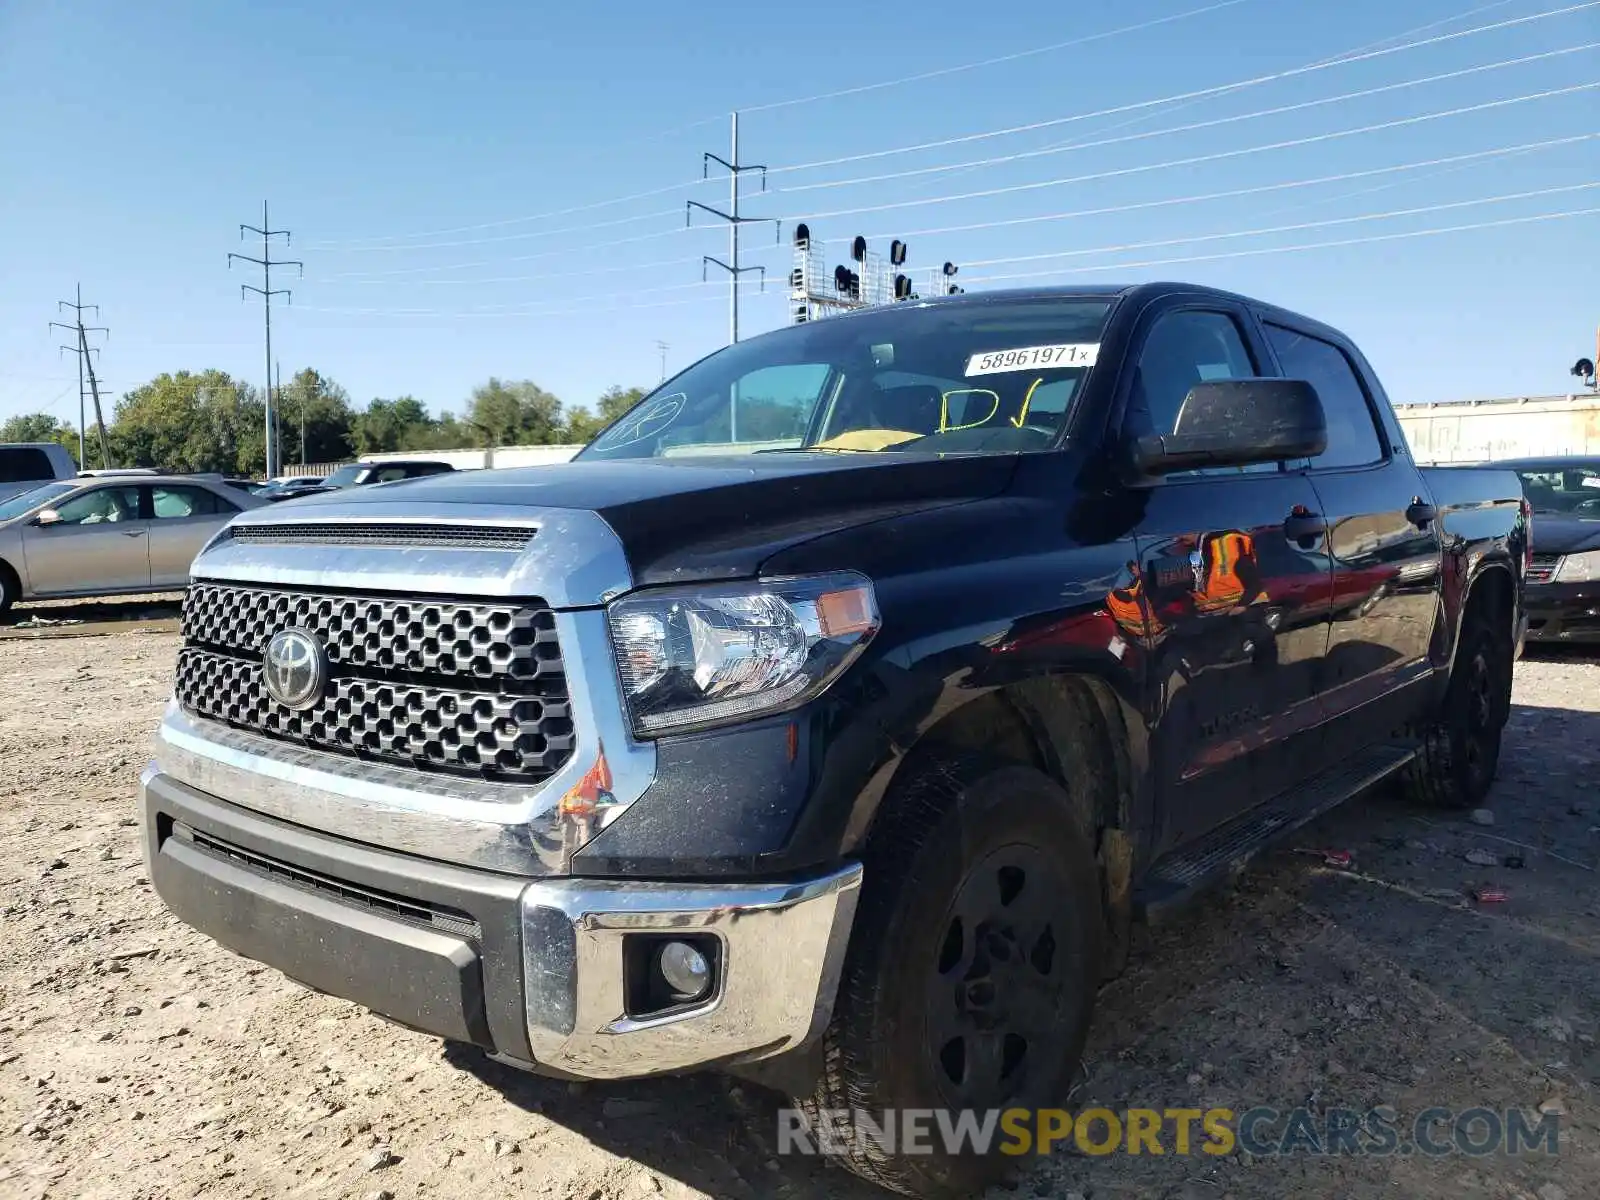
(1421, 513)
(133, 532)
(1302, 526)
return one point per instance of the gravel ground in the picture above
(140, 1060)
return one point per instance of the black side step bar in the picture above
(1222, 854)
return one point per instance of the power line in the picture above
(266, 262)
(1199, 93)
(1253, 252)
(1041, 152)
(1214, 157)
(1177, 99)
(1108, 210)
(1215, 122)
(942, 72)
(612, 299)
(1328, 60)
(1391, 215)
(1234, 193)
(985, 193)
(85, 354)
(1264, 250)
(678, 187)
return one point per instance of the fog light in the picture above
(685, 969)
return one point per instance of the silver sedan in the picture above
(109, 535)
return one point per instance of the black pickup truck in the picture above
(834, 715)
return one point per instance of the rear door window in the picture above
(171, 502)
(1352, 434)
(23, 464)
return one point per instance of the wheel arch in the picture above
(11, 576)
(1081, 733)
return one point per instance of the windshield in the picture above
(347, 476)
(29, 500)
(990, 378)
(1574, 490)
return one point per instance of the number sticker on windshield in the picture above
(1028, 358)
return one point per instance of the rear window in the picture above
(24, 464)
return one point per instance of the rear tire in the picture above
(10, 589)
(972, 969)
(1461, 749)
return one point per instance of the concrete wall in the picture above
(461, 460)
(1520, 427)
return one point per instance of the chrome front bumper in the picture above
(781, 947)
(530, 970)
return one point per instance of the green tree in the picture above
(519, 413)
(40, 427)
(582, 425)
(388, 425)
(205, 421)
(324, 407)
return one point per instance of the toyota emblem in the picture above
(296, 668)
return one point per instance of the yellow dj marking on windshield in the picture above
(1027, 400)
(944, 408)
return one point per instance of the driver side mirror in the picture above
(1237, 423)
(47, 516)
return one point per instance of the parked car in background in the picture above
(360, 474)
(25, 465)
(1564, 577)
(283, 488)
(101, 537)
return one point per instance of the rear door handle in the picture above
(133, 532)
(1421, 513)
(1304, 526)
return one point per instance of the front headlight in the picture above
(690, 658)
(1579, 568)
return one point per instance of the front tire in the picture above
(9, 589)
(1461, 749)
(972, 968)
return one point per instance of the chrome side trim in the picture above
(495, 826)
(783, 952)
(573, 560)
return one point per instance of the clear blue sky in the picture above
(136, 137)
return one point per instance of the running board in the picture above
(1223, 853)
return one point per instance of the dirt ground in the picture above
(140, 1060)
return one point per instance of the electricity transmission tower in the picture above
(85, 354)
(734, 220)
(266, 262)
(663, 348)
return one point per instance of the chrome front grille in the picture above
(440, 685)
(1543, 568)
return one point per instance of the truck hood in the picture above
(677, 520)
(1557, 533)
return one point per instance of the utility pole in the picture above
(277, 411)
(734, 220)
(266, 262)
(663, 347)
(85, 353)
